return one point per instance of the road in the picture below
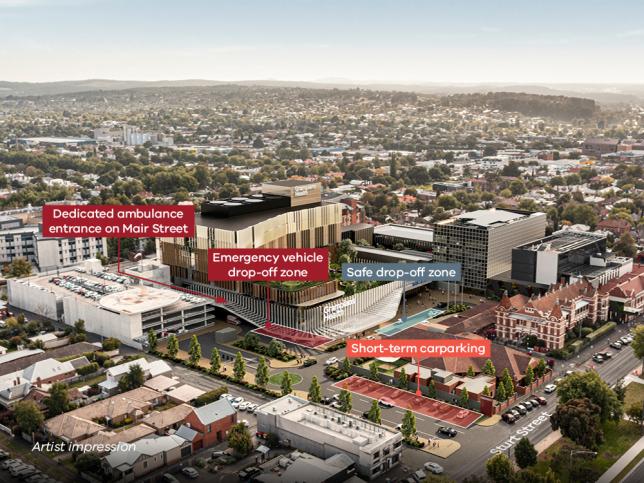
(636, 475)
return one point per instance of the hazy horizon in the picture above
(355, 41)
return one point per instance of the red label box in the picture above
(268, 264)
(423, 349)
(111, 221)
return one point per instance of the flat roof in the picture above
(240, 222)
(291, 182)
(563, 241)
(322, 419)
(395, 254)
(405, 231)
(139, 299)
(490, 218)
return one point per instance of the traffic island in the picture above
(491, 421)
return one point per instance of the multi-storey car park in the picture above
(109, 304)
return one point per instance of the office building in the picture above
(569, 255)
(325, 432)
(482, 241)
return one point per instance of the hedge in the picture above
(90, 368)
(603, 330)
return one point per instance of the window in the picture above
(210, 428)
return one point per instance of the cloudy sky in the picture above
(470, 41)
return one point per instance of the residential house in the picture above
(212, 423)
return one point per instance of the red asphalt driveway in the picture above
(423, 405)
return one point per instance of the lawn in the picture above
(276, 379)
(634, 394)
(618, 438)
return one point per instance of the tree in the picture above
(240, 440)
(194, 351)
(470, 371)
(408, 428)
(28, 416)
(638, 342)
(529, 376)
(625, 246)
(286, 384)
(88, 463)
(132, 379)
(589, 385)
(580, 214)
(111, 344)
(489, 369)
(525, 454)
(345, 401)
(431, 389)
(499, 468)
(464, 398)
(508, 385)
(19, 267)
(215, 361)
(239, 367)
(315, 391)
(346, 366)
(636, 413)
(173, 346)
(486, 391)
(403, 379)
(261, 375)
(375, 414)
(58, 400)
(500, 393)
(374, 373)
(541, 368)
(251, 341)
(152, 340)
(276, 348)
(579, 420)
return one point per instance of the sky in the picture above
(395, 41)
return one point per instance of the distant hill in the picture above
(601, 93)
(558, 107)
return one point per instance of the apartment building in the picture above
(26, 241)
(324, 432)
(482, 241)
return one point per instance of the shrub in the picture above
(90, 368)
(111, 344)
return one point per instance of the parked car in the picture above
(541, 400)
(550, 388)
(515, 413)
(168, 478)
(606, 355)
(309, 362)
(6, 464)
(336, 405)
(625, 340)
(447, 431)
(520, 409)
(433, 467)
(508, 417)
(419, 476)
(528, 405)
(598, 358)
(190, 472)
(248, 473)
(386, 402)
(326, 400)
(616, 345)
(534, 402)
(244, 406)
(331, 361)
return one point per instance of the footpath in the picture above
(621, 463)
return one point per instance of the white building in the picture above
(324, 432)
(109, 304)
